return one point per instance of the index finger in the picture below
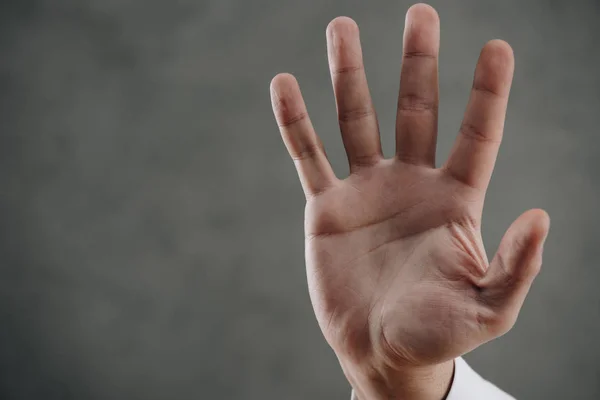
(474, 153)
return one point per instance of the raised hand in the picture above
(397, 271)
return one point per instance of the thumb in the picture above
(514, 267)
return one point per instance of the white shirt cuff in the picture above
(469, 385)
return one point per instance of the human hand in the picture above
(397, 271)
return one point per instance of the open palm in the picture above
(397, 270)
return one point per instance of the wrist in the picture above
(409, 383)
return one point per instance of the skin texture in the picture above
(397, 271)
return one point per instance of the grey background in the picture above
(151, 241)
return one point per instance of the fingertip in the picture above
(422, 12)
(283, 82)
(529, 231)
(540, 223)
(498, 53)
(421, 31)
(283, 89)
(495, 68)
(340, 25)
(500, 46)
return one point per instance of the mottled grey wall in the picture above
(151, 241)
